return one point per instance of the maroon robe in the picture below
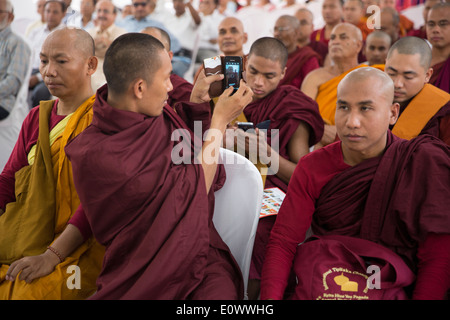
(181, 90)
(299, 64)
(396, 199)
(441, 75)
(285, 107)
(321, 49)
(153, 216)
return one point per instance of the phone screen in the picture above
(232, 73)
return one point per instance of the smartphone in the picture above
(245, 125)
(232, 68)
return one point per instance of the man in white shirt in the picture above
(85, 18)
(211, 18)
(54, 12)
(104, 34)
(184, 26)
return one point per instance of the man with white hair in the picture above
(14, 60)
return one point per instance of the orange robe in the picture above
(60, 284)
(418, 116)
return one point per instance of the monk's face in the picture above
(353, 12)
(306, 25)
(263, 75)
(363, 115)
(344, 42)
(232, 37)
(408, 74)
(286, 33)
(428, 4)
(64, 66)
(376, 50)
(332, 11)
(438, 27)
(156, 90)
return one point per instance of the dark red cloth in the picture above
(299, 64)
(18, 159)
(153, 216)
(439, 124)
(441, 76)
(321, 48)
(396, 200)
(181, 90)
(419, 33)
(286, 107)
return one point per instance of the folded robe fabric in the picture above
(153, 216)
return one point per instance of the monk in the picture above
(306, 27)
(376, 47)
(160, 241)
(439, 36)
(295, 123)
(320, 84)
(34, 265)
(332, 14)
(390, 23)
(353, 12)
(301, 60)
(406, 25)
(182, 89)
(421, 32)
(231, 40)
(369, 185)
(424, 108)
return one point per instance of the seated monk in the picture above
(439, 36)
(376, 48)
(368, 185)
(353, 12)
(422, 32)
(306, 27)
(301, 60)
(406, 25)
(160, 241)
(295, 126)
(33, 265)
(231, 39)
(182, 89)
(424, 108)
(332, 14)
(320, 84)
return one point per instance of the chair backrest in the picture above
(237, 208)
(189, 74)
(10, 127)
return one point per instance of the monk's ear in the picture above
(92, 65)
(245, 37)
(428, 75)
(283, 73)
(170, 55)
(139, 88)
(394, 113)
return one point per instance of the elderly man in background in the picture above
(14, 60)
(104, 34)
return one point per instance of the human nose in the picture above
(259, 81)
(398, 82)
(353, 120)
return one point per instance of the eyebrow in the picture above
(58, 55)
(266, 74)
(360, 103)
(406, 72)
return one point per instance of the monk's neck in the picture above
(341, 66)
(303, 43)
(439, 55)
(68, 105)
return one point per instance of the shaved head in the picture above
(413, 46)
(378, 34)
(291, 20)
(159, 34)
(270, 48)
(376, 77)
(131, 56)
(78, 38)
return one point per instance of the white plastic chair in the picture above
(237, 208)
(10, 127)
(189, 75)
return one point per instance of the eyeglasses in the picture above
(281, 29)
(137, 4)
(4, 11)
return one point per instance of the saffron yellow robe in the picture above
(61, 283)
